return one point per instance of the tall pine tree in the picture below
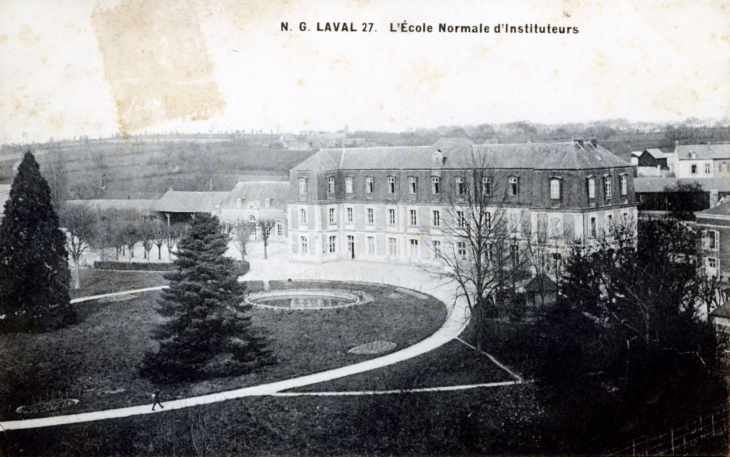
(34, 273)
(210, 333)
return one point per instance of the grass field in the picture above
(138, 170)
(96, 361)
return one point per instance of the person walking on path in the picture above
(157, 400)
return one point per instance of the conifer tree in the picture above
(34, 273)
(210, 333)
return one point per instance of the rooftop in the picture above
(189, 202)
(703, 151)
(461, 153)
(257, 192)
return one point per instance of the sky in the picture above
(98, 67)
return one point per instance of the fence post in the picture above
(672, 441)
(633, 448)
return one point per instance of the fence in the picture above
(678, 439)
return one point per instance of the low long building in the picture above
(388, 204)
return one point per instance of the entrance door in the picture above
(351, 246)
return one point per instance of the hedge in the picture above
(160, 266)
(138, 266)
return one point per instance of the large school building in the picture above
(388, 204)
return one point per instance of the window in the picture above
(591, 188)
(391, 216)
(610, 220)
(712, 262)
(332, 216)
(371, 216)
(349, 216)
(554, 189)
(369, 185)
(487, 186)
(412, 185)
(333, 244)
(371, 245)
(556, 229)
(694, 169)
(436, 248)
(267, 203)
(331, 185)
(624, 185)
(238, 202)
(279, 229)
(303, 241)
(607, 188)
(593, 227)
(436, 218)
(708, 170)
(414, 217)
(461, 249)
(302, 186)
(302, 216)
(514, 187)
(435, 181)
(460, 190)
(712, 240)
(392, 246)
(348, 184)
(414, 248)
(391, 185)
(460, 219)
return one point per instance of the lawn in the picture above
(96, 361)
(452, 364)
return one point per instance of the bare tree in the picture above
(481, 245)
(172, 236)
(266, 227)
(240, 235)
(81, 225)
(159, 230)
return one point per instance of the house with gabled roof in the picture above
(382, 203)
(701, 161)
(251, 202)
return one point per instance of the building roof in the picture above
(657, 185)
(656, 153)
(462, 153)
(722, 311)
(144, 206)
(703, 151)
(189, 202)
(723, 209)
(534, 285)
(258, 191)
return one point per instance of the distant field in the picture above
(103, 170)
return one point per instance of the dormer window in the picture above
(391, 184)
(267, 203)
(435, 183)
(438, 158)
(331, 185)
(460, 188)
(555, 191)
(238, 203)
(514, 186)
(369, 185)
(412, 185)
(487, 185)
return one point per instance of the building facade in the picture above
(715, 225)
(390, 204)
(700, 161)
(252, 202)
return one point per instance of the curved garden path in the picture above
(277, 268)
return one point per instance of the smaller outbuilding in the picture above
(541, 291)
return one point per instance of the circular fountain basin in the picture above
(307, 299)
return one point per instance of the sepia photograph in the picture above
(364, 228)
